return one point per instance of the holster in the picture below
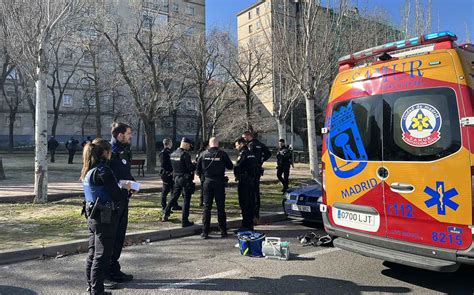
(103, 211)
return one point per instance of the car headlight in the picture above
(320, 199)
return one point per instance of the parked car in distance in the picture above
(302, 202)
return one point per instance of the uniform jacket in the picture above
(181, 163)
(121, 160)
(213, 163)
(104, 180)
(261, 151)
(246, 164)
(284, 157)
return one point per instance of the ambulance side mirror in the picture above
(467, 121)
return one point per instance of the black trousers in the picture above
(213, 189)
(120, 232)
(201, 197)
(167, 188)
(52, 152)
(246, 192)
(283, 173)
(101, 243)
(71, 156)
(257, 194)
(181, 185)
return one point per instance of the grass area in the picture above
(25, 225)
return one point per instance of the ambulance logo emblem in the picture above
(421, 124)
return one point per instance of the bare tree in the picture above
(64, 62)
(249, 67)
(416, 22)
(142, 48)
(30, 28)
(208, 78)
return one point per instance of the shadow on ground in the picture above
(6, 290)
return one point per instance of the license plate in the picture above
(300, 208)
(355, 217)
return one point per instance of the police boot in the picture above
(164, 218)
(187, 223)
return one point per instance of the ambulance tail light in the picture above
(445, 37)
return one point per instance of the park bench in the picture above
(140, 164)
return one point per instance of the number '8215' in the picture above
(445, 238)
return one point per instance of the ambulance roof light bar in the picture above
(351, 59)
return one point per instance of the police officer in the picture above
(183, 172)
(261, 153)
(245, 171)
(212, 165)
(101, 193)
(121, 166)
(71, 146)
(284, 161)
(166, 173)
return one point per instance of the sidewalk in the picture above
(64, 179)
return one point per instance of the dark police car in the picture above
(303, 202)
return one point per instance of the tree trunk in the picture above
(312, 143)
(203, 130)
(281, 123)
(248, 115)
(98, 119)
(174, 115)
(41, 132)
(11, 126)
(55, 123)
(2, 172)
(150, 131)
(198, 134)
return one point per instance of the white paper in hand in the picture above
(133, 184)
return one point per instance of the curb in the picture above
(60, 196)
(80, 246)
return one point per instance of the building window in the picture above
(162, 19)
(175, 7)
(67, 100)
(165, 5)
(66, 76)
(190, 31)
(190, 10)
(89, 102)
(250, 14)
(147, 20)
(190, 105)
(17, 123)
(259, 25)
(13, 75)
(250, 29)
(68, 53)
(258, 10)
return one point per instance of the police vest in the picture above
(93, 192)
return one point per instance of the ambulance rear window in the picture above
(420, 125)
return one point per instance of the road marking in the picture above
(320, 252)
(198, 281)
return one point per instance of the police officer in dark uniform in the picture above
(166, 173)
(101, 194)
(71, 146)
(284, 161)
(212, 165)
(121, 166)
(183, 172)
(245, 171)
(262, 154)
(52, 146)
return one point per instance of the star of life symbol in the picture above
(441, 198)
(421, 124)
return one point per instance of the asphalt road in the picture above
(194, 266)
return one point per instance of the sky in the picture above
(453, 15)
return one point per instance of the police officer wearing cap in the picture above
(212, 165)
(183, 172)
(245, 171)
(261, 153)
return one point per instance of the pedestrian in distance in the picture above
(284, 162)
(212, 165)
(246, 171)
(71, 146)
(166, 174)
(183, 173)
(262, 154)
(52, 146)
(203, 148)
(101, 194)
(84, 142)
(121, 166)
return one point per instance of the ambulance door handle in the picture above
(402, 187)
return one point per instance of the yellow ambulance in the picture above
(398, 153)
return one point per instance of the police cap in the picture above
(186, 140)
